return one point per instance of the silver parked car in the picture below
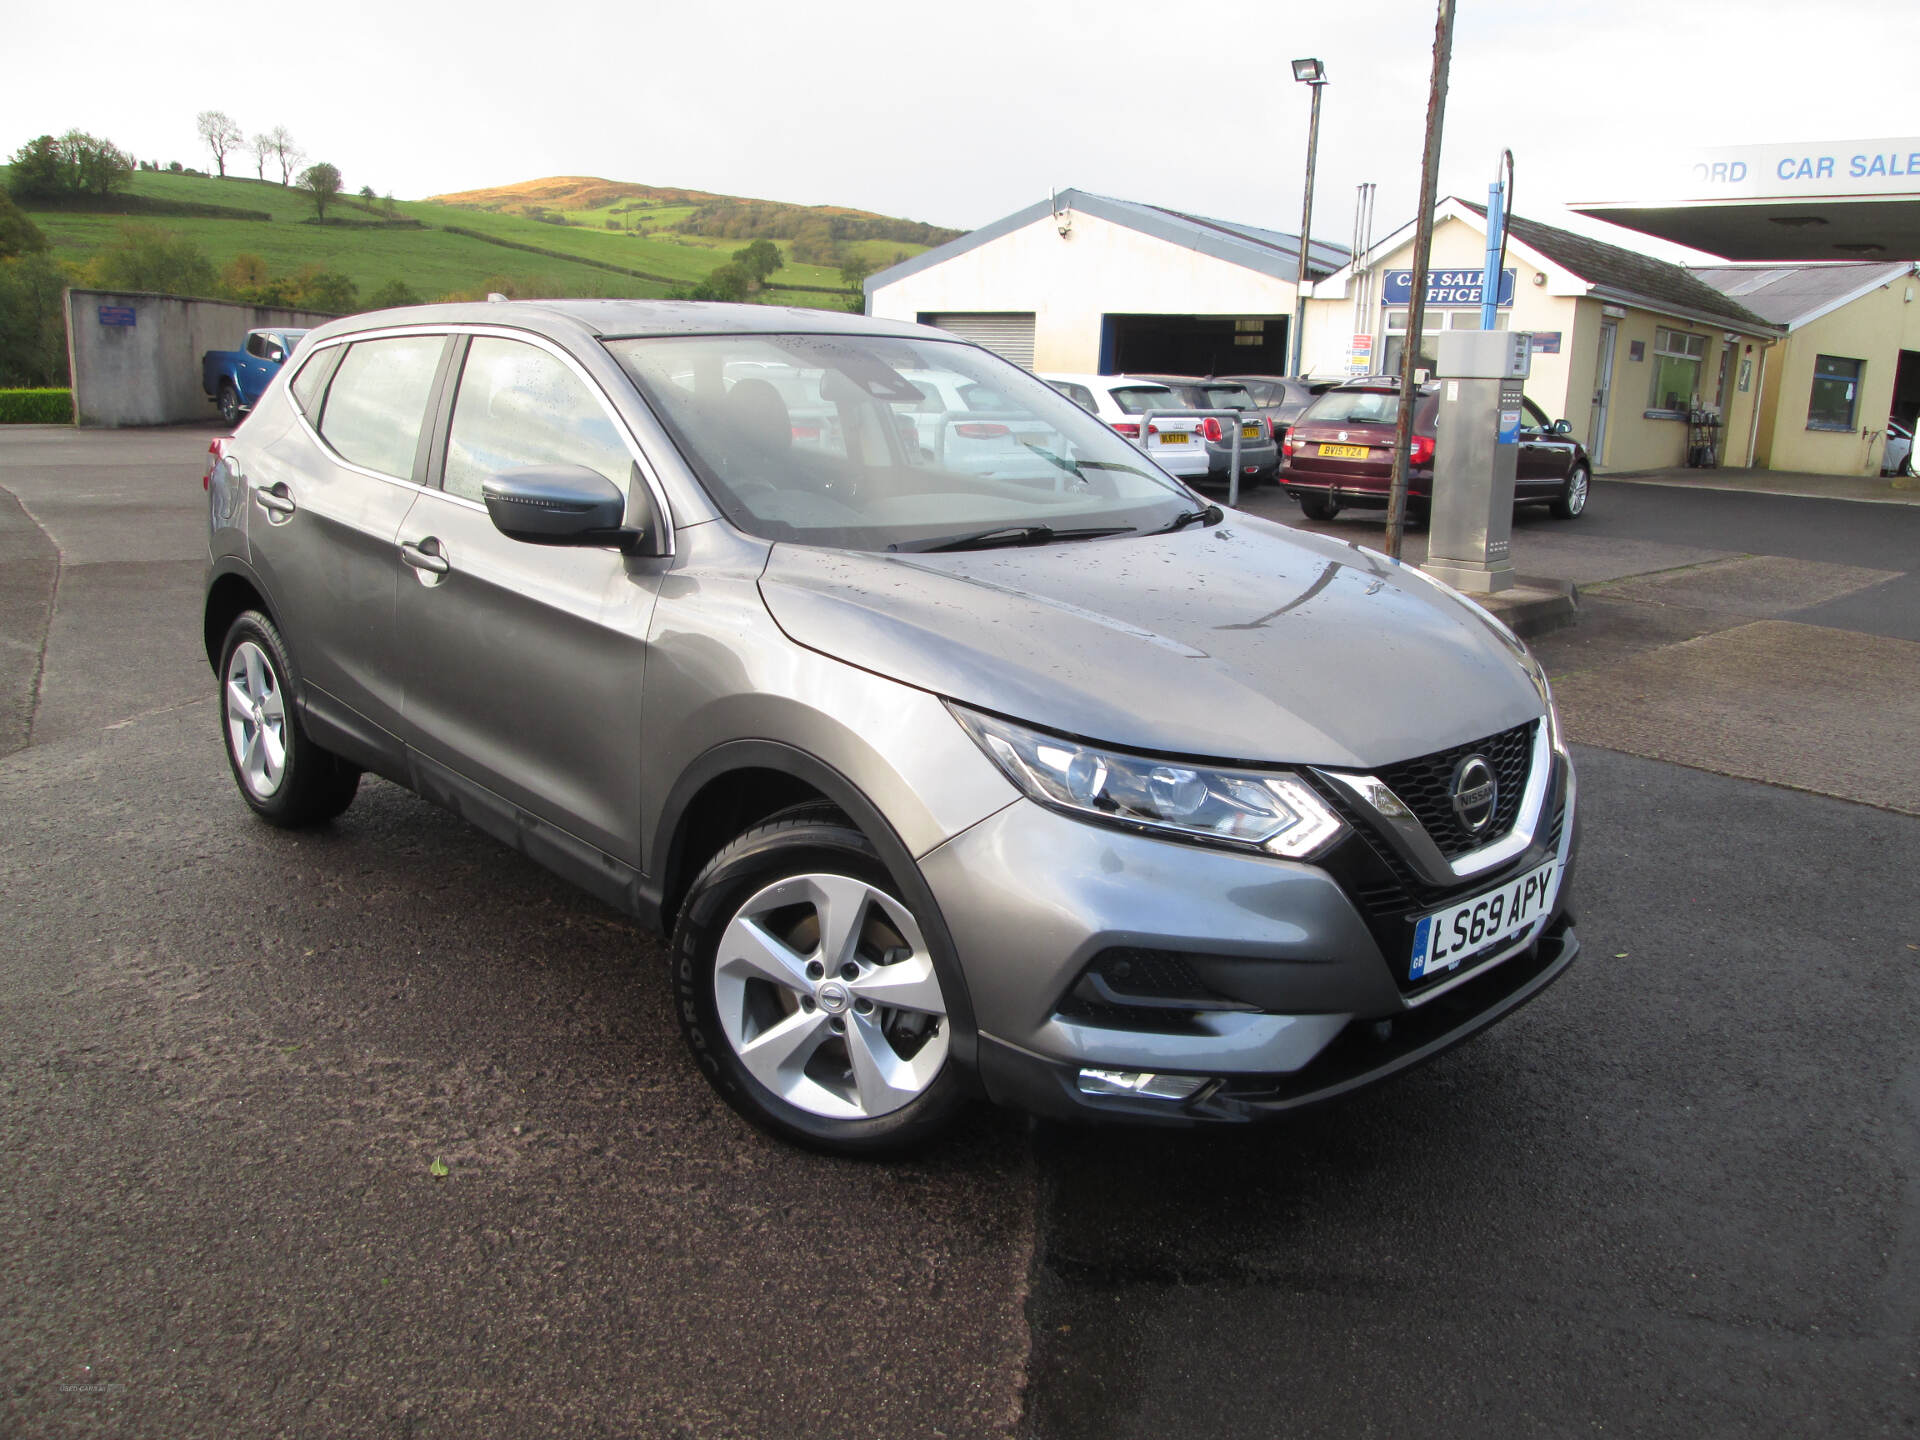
(1050, 782)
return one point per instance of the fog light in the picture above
(1139, 1082)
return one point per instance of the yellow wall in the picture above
(1070, 283)
(1561, 384)
(1875, 328)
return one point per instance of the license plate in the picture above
(1345, 452)
(1174, 438)
(1249, 432)
(1446, 937)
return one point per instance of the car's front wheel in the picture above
(229, 403)
(1572, 499)
(806, 989)
(287, 779)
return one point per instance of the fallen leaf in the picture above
(1621, 956)
(438, 1169)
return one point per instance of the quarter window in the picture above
(378, 401)
(1836, 393)
(1677, 359)
(519, 407)
(311, 383)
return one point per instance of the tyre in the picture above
(1573, 495)
(807, 991)
(229, 403)
(287, 779)
(1319, 507)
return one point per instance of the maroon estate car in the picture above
(1340, 453)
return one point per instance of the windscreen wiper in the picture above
(1010, 535)
(1211, 515)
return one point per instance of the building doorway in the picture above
(1602, 393)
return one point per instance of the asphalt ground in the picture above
(1676, 1195)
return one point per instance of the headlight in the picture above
(1267, 810)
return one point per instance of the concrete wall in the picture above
(1070, 283)
(148, 373)
(1875, 329)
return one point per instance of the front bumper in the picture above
(1291, 997)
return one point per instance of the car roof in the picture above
(1191, 379)
(608, 319)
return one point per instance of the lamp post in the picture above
(1307, 72)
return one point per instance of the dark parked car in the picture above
(1340, 453)
(1279, 399)
(1259, 451)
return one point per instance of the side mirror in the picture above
(559, 505)
(276, 354)
(1562, 427)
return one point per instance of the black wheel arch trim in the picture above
(667, 879)
(223, 567)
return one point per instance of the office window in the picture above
(1836, 393)
(1677, 358)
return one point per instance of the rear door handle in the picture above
(274, 500)
(421, 558)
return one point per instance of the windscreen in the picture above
(1228, 397)
(1138, 399)
(1354, 407)
(869, 442)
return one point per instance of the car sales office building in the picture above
(1650, 365)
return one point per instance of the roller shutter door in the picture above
(1008, 335)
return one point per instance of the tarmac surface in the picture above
(1677, 1195)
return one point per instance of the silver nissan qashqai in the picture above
(960, 750)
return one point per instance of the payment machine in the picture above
(1476, 450)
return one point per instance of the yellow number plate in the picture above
(1345, 452)
(1249, 432)
(1175, 437)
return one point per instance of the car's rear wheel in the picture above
(1319, 507)
(287, 779)
(229, 403)
(806, 989)
(1572, 500)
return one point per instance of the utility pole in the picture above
(1422, 248)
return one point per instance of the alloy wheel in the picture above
(826, 991)
(256, 720)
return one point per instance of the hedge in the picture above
(36, 407)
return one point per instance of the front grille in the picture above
(1425, 784)
(1390, 897)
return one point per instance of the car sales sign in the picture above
(1445, 287)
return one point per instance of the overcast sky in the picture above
(960, 113)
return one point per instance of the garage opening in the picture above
(1193, 344)
(1906, 389)
(1008, 334)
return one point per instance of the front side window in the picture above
(1836, 393)
(1677, 358)
(378, 401)
(999, 451)
(519, 407)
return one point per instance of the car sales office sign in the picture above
(1450, 288)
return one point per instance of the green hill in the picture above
(626, 245)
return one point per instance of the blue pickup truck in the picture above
(235, 379)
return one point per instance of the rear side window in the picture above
(378, 401)
(311, 383)
(1079, 394)
(518, 406)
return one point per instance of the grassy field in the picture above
(431, 260)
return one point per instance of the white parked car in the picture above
(1173, 445)
(1897, 458)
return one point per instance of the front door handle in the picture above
(274, 500)
(420, 557)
